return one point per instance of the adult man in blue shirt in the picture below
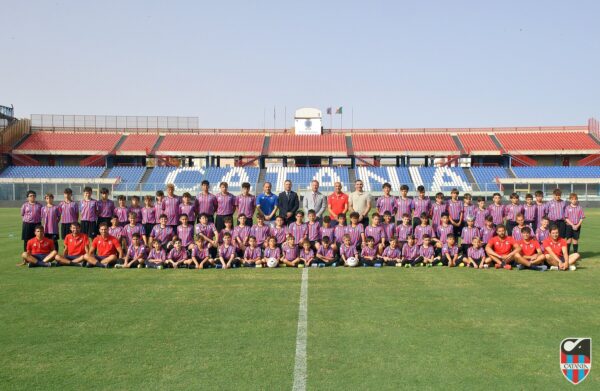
(267, 204)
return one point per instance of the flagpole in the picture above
(274, 118)
(285, 117)
(352, 117)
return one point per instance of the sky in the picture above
(233, 64)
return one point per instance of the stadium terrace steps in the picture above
(459, 144)
(479, 144)
(351, 176)
(497, 143)
(130, 177)
(471, 178)
(486, 177)
(137, 144)
(265, 147)
(349, 146)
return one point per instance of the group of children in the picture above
(402, 232)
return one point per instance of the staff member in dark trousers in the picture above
(225, 206)
(288, 203)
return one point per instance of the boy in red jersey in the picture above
(40, 250)
(530, 256)
(502, 249)
(556, 253)
(77, 245)
(105, 250)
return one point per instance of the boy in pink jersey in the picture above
(375, 231)
(443, 231)
(455, 212)
(511, 211)
(426, 252)
(530, 212)
(69, 213)
(326, 254)
(298, 228)
(369, 252)
(188, 207)
(226, 255)
(279, 231)
(177, 256)
(347, 249)
(185, 232)
(389, 227)
(290, 253)
(480, 213)
(542, 208)
(162, 232)
(313, 228)
(422, 204)
(207, 231)
(355, 230)
(325, 230)
(496, 209)
(88, 209)
(200, 254)
(437, 209)
(339, 231)
(405, 204)
(392, 255)
(106, 207)
(241, 234)
(516, 233)
(272, 250)
(476, 257)
(50, 219)
(573, 219)
(121, 211)
(404, 230)
(136, 208)
(252, 253)
(423, 229)
(157, 256)
(450, 255)
(468, 233)
(171, 206)
(148, 215)
(136, 253)
(488, 231)
(307, 254)
(133, 228)
(387, 202)
(410, 252)
(261, 231)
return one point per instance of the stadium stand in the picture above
(532, 143)
(400, 144)
(486, 177)
(130, 177)
(478, 143)
(200, 145)
(137, 144)
(77, 143)
(290, 145)
(440, 178)
(557, 172)
(52, 172)
(374, 177)
(189, 178)
(302, 176)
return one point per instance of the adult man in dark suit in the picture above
(288, 203)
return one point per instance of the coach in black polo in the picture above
(288, 203)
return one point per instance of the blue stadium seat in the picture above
(189, 178)
(486, 177)
(130, 177)
(374, 177)
(557, 172)
(52, 172)
(301, 177)
(440, 178)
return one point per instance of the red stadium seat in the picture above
(282, 145)
(529, 143)
(479, 143)
(411, 143)
(77, 143)
(137, 144)
(221, 144)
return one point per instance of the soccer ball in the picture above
(272, 262)
(352, 262)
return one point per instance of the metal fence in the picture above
(17, 191)
(112, 122)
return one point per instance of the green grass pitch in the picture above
(389, 328)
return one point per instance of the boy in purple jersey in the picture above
(88, 208)
(511, 211)
(404, 230)
(272, 250)
(488, 231)
(369, 252)
(455, 212)
(405, 204)
(226, 254)
(387, 202)
(475, 256)
(355, 230)
(516, 233)
(389, 227)
(541, 206)
(326, 254)
(443, 231)
(241, 234)
(298, 229)
(421, 204)
(50, 217)
(162, 232)
(279, 231)
(437, 208)
(136, 253)
(228, 221)
(307, 254)
(106, 207)
(252, 253)
(290, 254)
(543, 231)
(115, 229)
(185, 232)
(187, 207)
(69, 213)
(313, 228)
(556, 212)
(530, 212)
(496, 209)
(392, 255)
(148, 215)
(171, 206)
(450, 255)
(573, 219)
(410, 252)
(133, 228)
(347, 249)
(177, 256)
(246, 203)
(225, 205)
(206, 202)
(467, 235)
(423, 229)
(375, 230)
(136, 208)
(157, 256)
(325, 230)
(261, 231)
(121, 211)
(200, 254)
(468, 207)
(159, 204)
(480, 213)
(426, 252)
(207, 231)
(339, 231)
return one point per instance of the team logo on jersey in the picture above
(576, 358)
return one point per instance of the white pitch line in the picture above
(300, 364)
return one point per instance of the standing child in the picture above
(481, 213)
(115, 229)
(106, 207)
(375, 231)
(88, 208)
(136, 208)
(121, 211)
(573, 218)
(511, 211)
(387, 202)
(185, 232)
(298, 228)
(279, 231)
(325, 230)
(424, 229)
(541, 208)
(455, 212)
(162, 232)
(187, 207)
(468, 207)
(159, 204)
(405, 204)
(488, 231)
(355, 230)
(468, 233)
(556, 212)
(69, 213)
(339, 231)
(50, 219)
(404, 230)
(422, 205)
(261, 231)
(437, 209)
(131, 229)
(389, 227)
(241, 234)
(31, 214)
(148, 215)
(313, 228)
(496, 209)
(443, 231)
(530, 212)
(157, 256)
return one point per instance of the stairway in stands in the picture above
(471, 178)
(261, 180)
(146, 176)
